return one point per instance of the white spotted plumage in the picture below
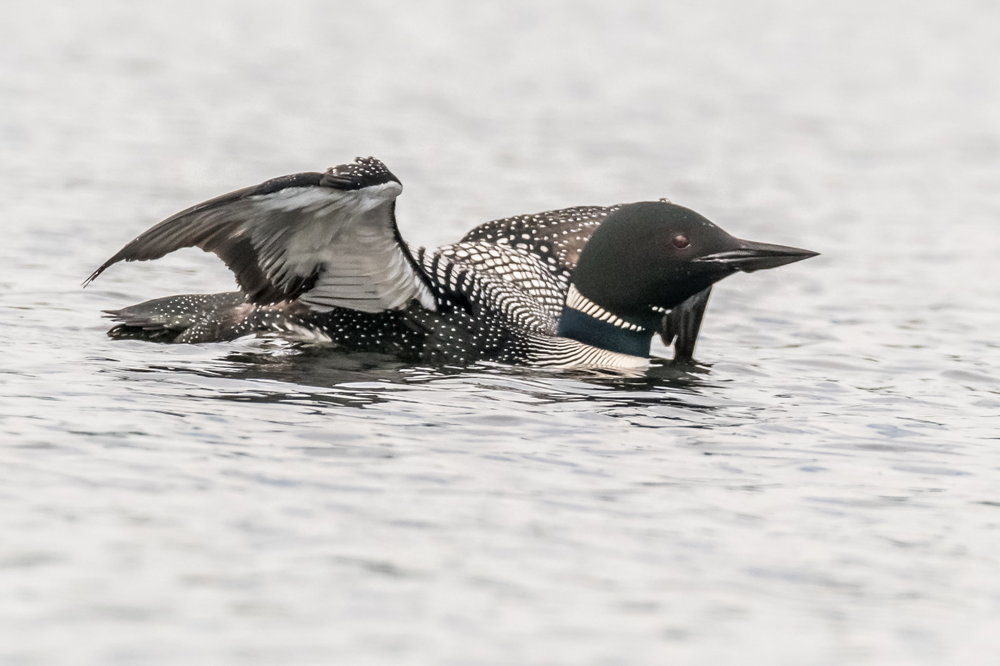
(329, 256)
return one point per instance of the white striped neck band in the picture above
(579, 302)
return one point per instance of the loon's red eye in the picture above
(681, 241)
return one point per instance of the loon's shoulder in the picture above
(556, 237)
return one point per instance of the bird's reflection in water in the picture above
(299, 375)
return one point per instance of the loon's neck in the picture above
(589, 323)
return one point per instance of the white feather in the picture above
(348, 235)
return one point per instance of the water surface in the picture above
(820, 489)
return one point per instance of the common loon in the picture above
(319, 257)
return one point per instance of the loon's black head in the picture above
(649, 257)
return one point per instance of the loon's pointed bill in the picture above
(752, 256)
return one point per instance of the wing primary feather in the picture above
(320, 238)
(191, 226)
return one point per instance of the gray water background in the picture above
(823, 489)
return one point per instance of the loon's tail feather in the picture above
(186, 318)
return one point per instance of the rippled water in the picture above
(822, 489)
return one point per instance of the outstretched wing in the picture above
(557, 237)
(326, 239)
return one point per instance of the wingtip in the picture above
(94, 275)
